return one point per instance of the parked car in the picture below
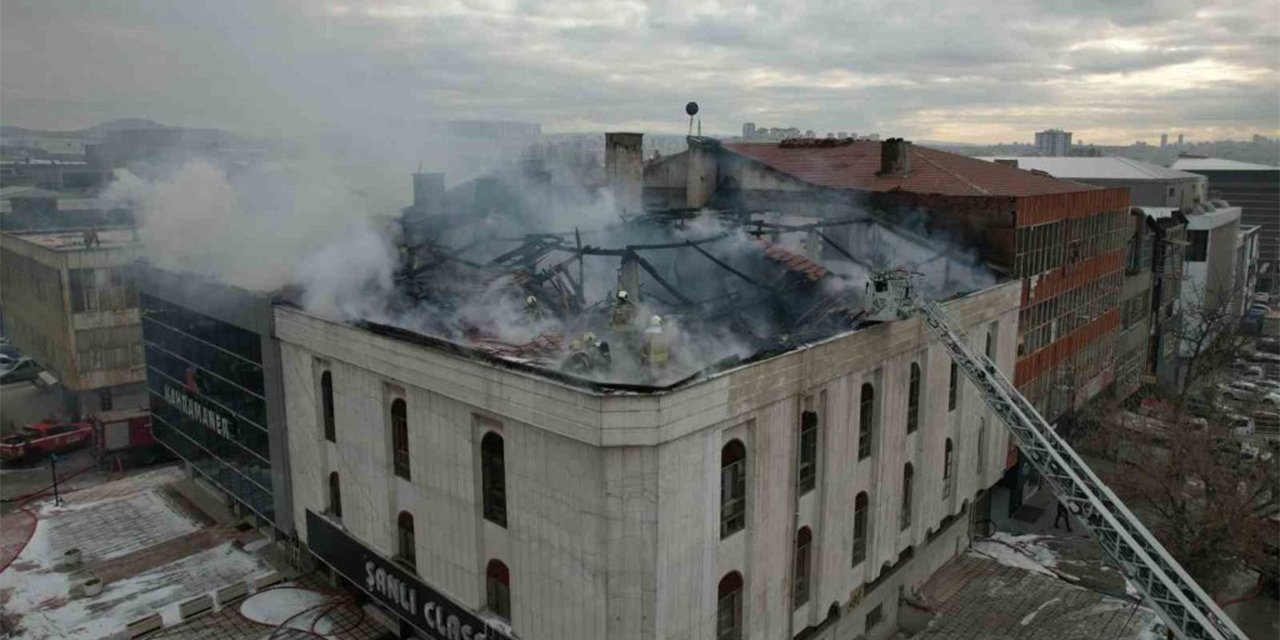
(1269, 345)
(1266, 384)
(22, 370)
(1239, 390)
(1241, 426)
(42, 438)
(1263, 357)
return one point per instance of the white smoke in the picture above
(264, 228)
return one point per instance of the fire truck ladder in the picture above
(1175, 596)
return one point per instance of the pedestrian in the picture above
(1063, 515)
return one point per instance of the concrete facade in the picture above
(73, 309)
(613, 500)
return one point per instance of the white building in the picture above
(1213, 245)
(804, 491)
(1053, 142)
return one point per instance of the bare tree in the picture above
(1208, 500)
(1208, 332)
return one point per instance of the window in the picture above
(866, 413)
(408, 551)
(335, 495)
(497, 589)
(1197, 246)
(733, 488)
(982, 445)
(953, 387)
(326, 406)
(493, 479)
(948, 464)
(874, 617)
(400, 437)
(907, 473)
(807, 475)
(913, 399)
(800, 594)
(860, 528)
(992, 331)
(729, 607)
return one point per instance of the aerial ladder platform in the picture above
(1184, 607)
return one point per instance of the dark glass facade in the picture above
(206, 385)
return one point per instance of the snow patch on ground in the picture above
(115, 527)
(1021, 552)
(257, 544)
(301, 608)
(37, 591)
(1026, 620)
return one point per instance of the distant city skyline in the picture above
(1110, 72)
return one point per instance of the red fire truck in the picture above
(124, 436)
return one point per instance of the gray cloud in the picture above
(979, 70)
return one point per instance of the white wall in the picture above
(613, 501)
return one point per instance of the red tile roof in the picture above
(855, 165)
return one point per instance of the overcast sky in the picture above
(974, 71)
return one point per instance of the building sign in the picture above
(213, 419)
(392, 586)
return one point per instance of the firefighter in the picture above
(623, 313)
(532, 310)
(579, 360)
(655, 350)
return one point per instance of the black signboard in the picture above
(395, 588)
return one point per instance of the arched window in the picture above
(982, 445)
(913, 399)
(866, 414)
(953, 388)
(326, 406)
(807, 475)
(493, 478)
(804, 539)
(400, 437)
(991, 340)
(733, 488)
(408, 551)
(729, 607)
(335, 495)
(907, 473)
(860, 506)
(948, 465)
(497, 581)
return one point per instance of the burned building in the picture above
(573, 418)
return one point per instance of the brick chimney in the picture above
(624, 168)
(703, 172)
(895, 157)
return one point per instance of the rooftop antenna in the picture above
(692, 110)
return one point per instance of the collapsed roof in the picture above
(704, 290)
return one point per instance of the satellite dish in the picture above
(691, 109)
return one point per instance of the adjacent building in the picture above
(70, 304)
(1168, 239)
(1053, 142)
(1065, 240)
(36, 209)
(213, 383)
(1255, 188)
(1149, 185)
